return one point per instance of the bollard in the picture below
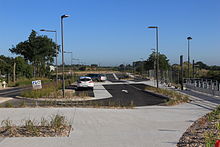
(217, 143)
(4, 84)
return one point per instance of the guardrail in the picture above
(203, 85)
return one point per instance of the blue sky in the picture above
(111, 32)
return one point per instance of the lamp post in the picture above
(188, 38)
(70, 59)
(154, 64)
(157, 59)
(55, 32)
(63, 81)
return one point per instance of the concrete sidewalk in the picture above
(153, 126)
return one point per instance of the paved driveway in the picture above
(153, 126)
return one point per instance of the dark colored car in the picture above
(97, 77)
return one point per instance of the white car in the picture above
(85, 82)
(102, 77)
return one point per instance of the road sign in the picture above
(36, 84)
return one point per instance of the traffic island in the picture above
(57, 126)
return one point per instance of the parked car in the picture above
(85, 82)
(97, 77)
(102, 77)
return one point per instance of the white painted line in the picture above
(115, 76)
(125, 91)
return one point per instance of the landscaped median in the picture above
(173, 97)
(57, 125)
(203, 132)
(52, 92)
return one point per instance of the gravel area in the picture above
(203, 132)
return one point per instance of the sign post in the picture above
(36, 84)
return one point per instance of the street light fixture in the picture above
(188, 38)
(56, 50)
(63, 82)
(157, 59)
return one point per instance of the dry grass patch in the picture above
(174, 97)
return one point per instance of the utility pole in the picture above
(62, 38)
(157, 59)
(189, 38)
(193, 69)
(181, 72)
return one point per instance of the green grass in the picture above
(9, 105)
(26, 82)
(174, 97)
(47, 91)
(214, 134)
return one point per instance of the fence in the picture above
(168, 76)
(203, 85)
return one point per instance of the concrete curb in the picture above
(41, 99)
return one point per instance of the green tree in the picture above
(201, 65)
(38, 50)
(23, 69)
(6, 65)
(163, 62)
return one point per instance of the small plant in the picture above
(209, 139)
(31, 127)
(8, 105)
(7, 124)
(44, 122)
(210, 117)
(57, 122)
(217, 125)
(23, 104)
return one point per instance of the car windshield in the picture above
(85, 79)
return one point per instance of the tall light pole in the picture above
(188, 38)
(153, 49)
(63, 82)
(157, 59)
(55, 32)
(70, 59)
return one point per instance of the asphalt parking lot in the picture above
(122, 94)
(132, 93)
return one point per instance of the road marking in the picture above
(126, 91)
(115, 76)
